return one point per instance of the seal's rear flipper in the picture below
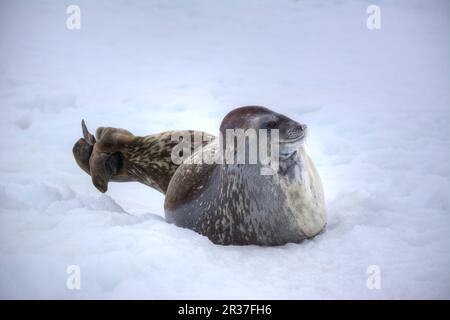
(87, 135)
(83, 148)
(82, 153)
(103, 167)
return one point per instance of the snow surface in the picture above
(377, 104)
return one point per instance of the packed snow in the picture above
(377, 103)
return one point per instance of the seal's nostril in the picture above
(299, 129)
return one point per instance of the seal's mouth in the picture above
(295, 140)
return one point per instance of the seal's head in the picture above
(291, 133)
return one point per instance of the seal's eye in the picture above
(271, 125)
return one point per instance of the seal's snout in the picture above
(295, 132)
(291, 138)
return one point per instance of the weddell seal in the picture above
(230, 202)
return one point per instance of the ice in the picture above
(377, 104)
